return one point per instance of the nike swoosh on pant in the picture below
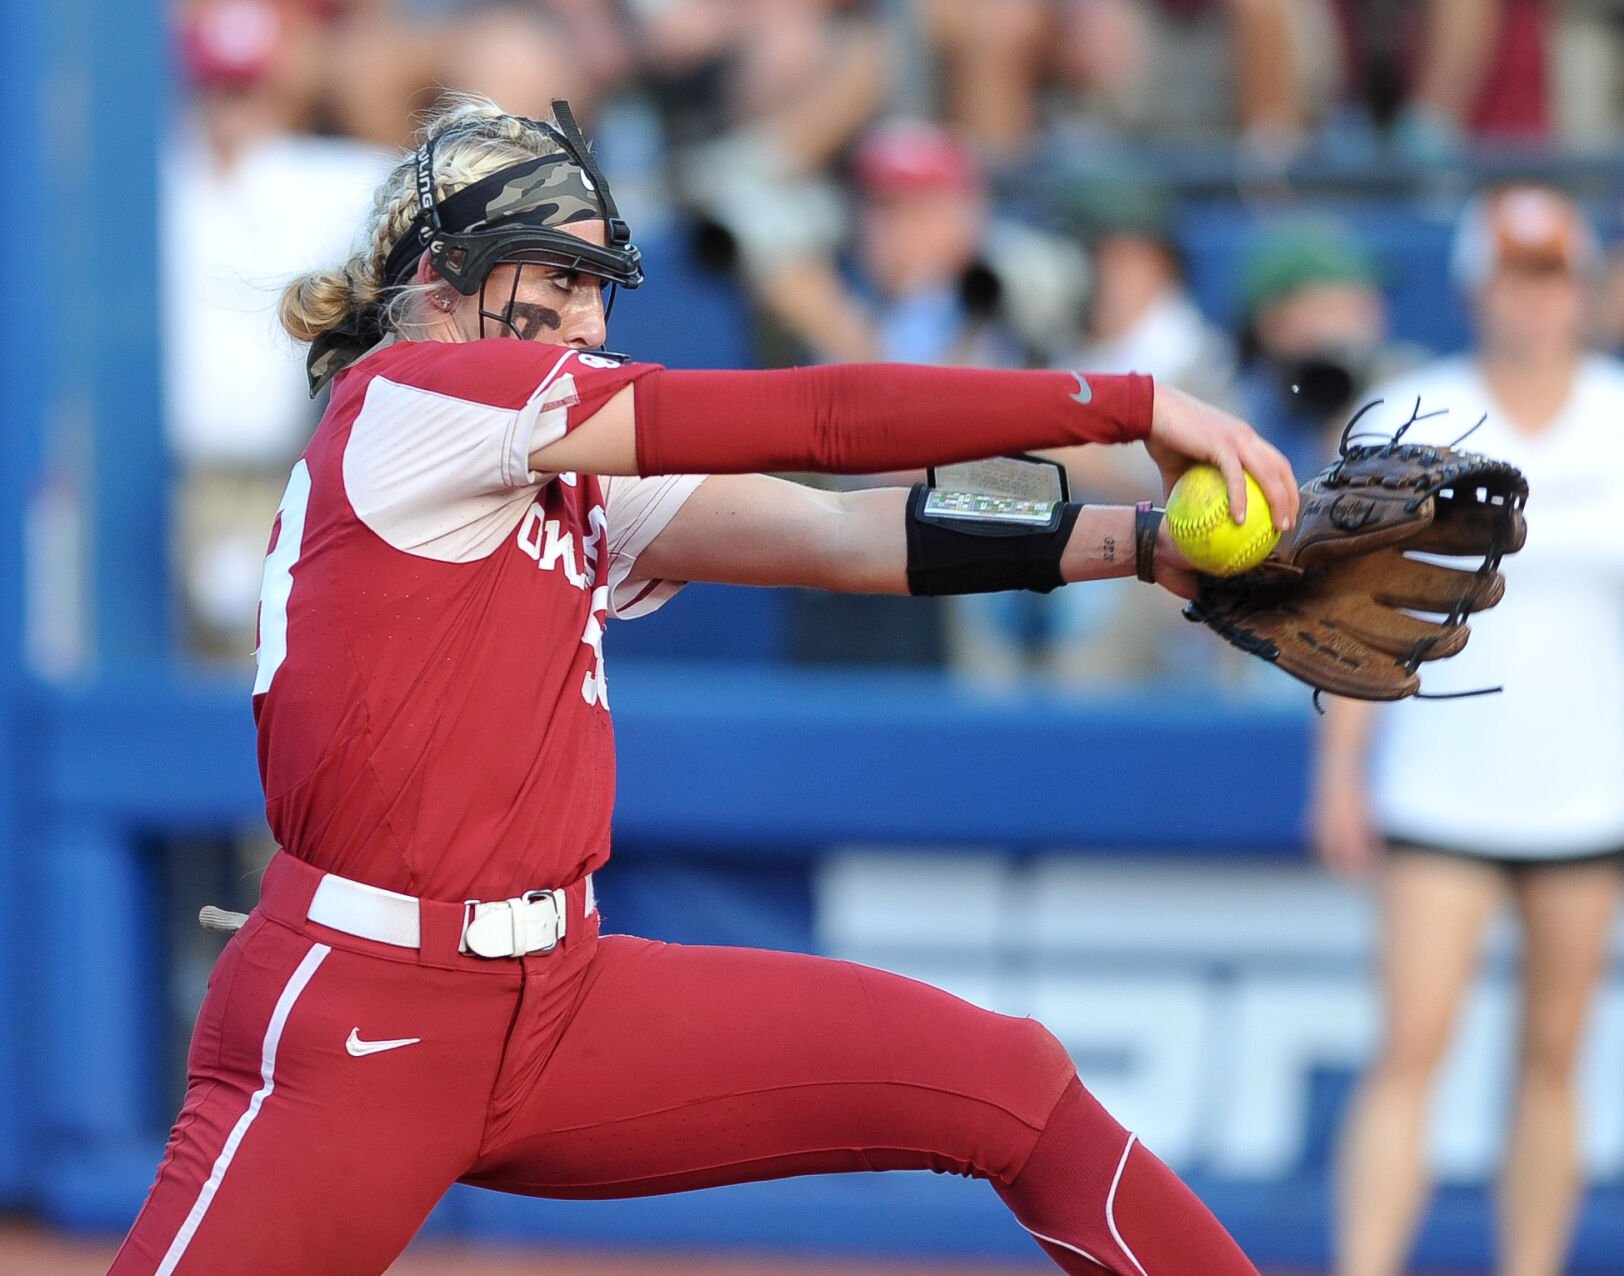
(357, 1047)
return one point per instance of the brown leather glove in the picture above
(1332, 604)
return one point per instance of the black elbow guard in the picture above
(964, 544)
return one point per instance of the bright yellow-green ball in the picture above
(1198, 521)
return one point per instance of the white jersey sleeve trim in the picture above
(637, 510)
(545, 418)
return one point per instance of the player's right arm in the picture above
(864, 419)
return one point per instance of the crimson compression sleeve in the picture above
(864, 418)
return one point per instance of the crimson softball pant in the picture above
(612, 1067)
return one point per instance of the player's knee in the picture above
(1044, 1061)
(1020, 1075)
(1019, 1069)
(1074, 1104)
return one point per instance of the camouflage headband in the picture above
(549, 191)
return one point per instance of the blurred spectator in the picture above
(379, 66)
(922, 226)
(1443, 72)
(757, 101)
(923, 294)
(387, 60)
(935, 277)
(519, 55)
(1483, 72)
(1477, 800)
(1265, 71)
(247, 198)
(1140, 318)
(1314, 336)
(1610, 307)
(994, 57)
(1588, 78)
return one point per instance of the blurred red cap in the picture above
(230, 43)
(914, 155)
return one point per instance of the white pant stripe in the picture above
(1110, 1206)
(1110, 1220)
(1064, 1245)
(267, 1071)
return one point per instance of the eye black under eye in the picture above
(529, 319)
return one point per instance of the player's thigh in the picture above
(298, 1150)
(1567, 913)
(1434, 908)
(694, 1066)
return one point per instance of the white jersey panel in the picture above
(445, 478)
(637, 510)
(1537, 769)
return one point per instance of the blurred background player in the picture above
(1523, 802)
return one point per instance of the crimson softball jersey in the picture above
(431, 700)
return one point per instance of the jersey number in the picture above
(277, 583)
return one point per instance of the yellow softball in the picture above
(1198, 521)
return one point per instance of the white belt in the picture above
(528, 923)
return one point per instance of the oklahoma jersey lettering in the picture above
(428, 597)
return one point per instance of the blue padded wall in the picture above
(23, 351)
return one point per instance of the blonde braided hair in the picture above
(473, 138)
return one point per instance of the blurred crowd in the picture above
(990, 182)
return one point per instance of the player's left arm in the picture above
(751, 529)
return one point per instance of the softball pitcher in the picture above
(422, 996)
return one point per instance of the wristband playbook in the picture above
(987, 526)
